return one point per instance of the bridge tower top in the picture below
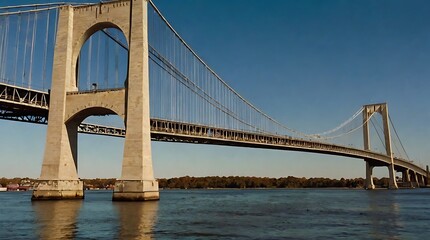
(78, 23)
(369, 110)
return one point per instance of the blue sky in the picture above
(309, 64)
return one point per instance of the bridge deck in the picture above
(27, 105)
(169, 131)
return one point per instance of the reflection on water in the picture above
(384, 215)
(56, 219)
(223, 214)
(137, 219)
(95, 217)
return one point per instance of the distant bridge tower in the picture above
(68, 107)
(367, 113)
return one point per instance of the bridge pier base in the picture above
(369, 178)
(58, 190)
(407, 178)
(427, 176)
(136, 190)
(416, 179)
(392, 184)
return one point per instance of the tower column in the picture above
(416, 179)
(392, 184)
(407, 178)
(369, 178)
(137, 181)
(59, 178)
(369, 168)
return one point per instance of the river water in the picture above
(223, 214)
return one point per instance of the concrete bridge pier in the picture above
(59, 178)
(427, 176)
(68, 107)
(420, 180)
(369, 178)
(406, 178)
(413, 179)
(392, 184)
(137, 181)
(416, 179)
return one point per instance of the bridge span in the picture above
(27, 105)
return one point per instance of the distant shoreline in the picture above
(231, 182)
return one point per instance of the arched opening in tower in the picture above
(103, 61)
(100, 156)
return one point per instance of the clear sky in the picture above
(308, 64)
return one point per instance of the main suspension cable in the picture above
(355, 115)
(401, 144)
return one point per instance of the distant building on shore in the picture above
(15, 187)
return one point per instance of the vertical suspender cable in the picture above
(25, 50)
(2, 35)
(45, 53)
(106, 60)
(33, 36)
(116, 64)
(5, 75)
(54, 30)
(98, 34)
(90, 46)
(377, 132)
(17, 38)
(98, 59)
(395, 131)
(2, 40)
(78, 70)
(5, 50)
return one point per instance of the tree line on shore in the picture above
(265, 182)
(188, 182)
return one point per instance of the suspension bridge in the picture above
(61, 63)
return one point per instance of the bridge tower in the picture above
(369, 110)
(69, 107)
